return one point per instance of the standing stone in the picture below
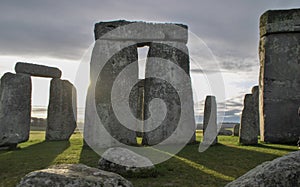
(37, 70)
(236, 130)
(164, 88)
(279, 76)
(15, 108)
(210, 121)
(255, 94)
(102, 128)
(114, 52)
(62, 110)
(248, 128)
(137, 105)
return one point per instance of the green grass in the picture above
(217, 166)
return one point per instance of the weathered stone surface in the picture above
(248, 127)
(210, 121)
(124, 161)
(73, 175)
(236, 130)
(62, 110)
(167, 78)
(280, 21)
(15, 108)
(283, 171)
(137, 105)
(279, 77)
(116, 50)
(102, 128)
(37, 70)
(141, 32)
(255, 96)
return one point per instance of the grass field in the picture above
(217, 166)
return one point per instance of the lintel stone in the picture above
(37, 70)
(279, 21)
(141, 32)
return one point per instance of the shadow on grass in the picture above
(88, 156)
(15, 164)
(217, 166)
(228, 161)
(275, 148)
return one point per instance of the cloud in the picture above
(231, 112)
(206, 71)
(64, 30)
(236, 63)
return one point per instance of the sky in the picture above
(59, 33)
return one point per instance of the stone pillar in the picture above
(279, 76)
(255, 94)
(158, 55)
(236, 130)
(138, 105)
(114, 51)
(248, 128)
(15, 108)
(109, 58)
(210, 121)
(62, 110)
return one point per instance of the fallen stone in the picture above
(73, 175)
(225, 132)
(283, 171)
(125, 162)
(37, 70)
(15, 108)
(62, 110)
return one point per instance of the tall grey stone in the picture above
(15, 108)
(109, 58)
(37, 70)
(248, 128)
(255, 94)
(279, 76)
(210, 121)
(236, 130)
(62, 110)
(137, 104)
(114, 53)
(157, 65)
